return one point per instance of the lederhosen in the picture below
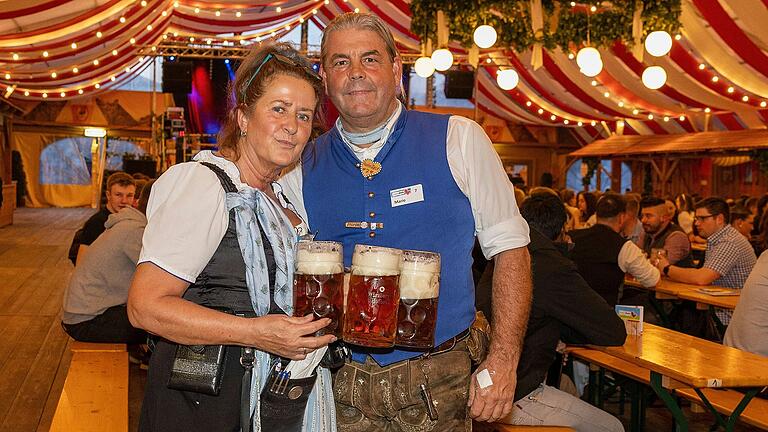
(222, 283)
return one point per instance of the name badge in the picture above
(406, 195)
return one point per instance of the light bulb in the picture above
(424, 67)
(442, 59)
(485, 36)
(589, 61)
(507, 79)
(658, 43)
(654, 77)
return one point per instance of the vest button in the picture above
(371, 194)
(371, 234)
(371, 214)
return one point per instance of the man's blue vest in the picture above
(335, 192)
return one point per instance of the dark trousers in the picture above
(112, 326)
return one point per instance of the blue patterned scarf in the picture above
(253, 207)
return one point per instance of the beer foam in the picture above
(308, 262)
(417, 285)
(376, 263)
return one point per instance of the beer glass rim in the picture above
(364, 247)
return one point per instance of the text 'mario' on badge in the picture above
(406, 195)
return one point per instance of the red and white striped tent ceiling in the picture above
(717, 69)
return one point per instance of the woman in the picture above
(684, 204)
(586, 201)
(232, 251)
(574, 215)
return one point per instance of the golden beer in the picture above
(419, 291)
(373, 298)
(318, 283)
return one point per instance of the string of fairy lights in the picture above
(151, 28)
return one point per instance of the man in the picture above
(603, 256)
(743, 221)
(564, 307)
(633, 228)
(662, 233)
(748, 329)
(729, 258)
(120, 191)
(94, 309)
(392, 177)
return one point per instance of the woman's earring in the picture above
(243, 133)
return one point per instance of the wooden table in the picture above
(679, 360)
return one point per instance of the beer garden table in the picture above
(678, 360)
(667, 289)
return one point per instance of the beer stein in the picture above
(318, 283)
(373, 297)
(419, 290)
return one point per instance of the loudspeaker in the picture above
(177, 77)
(459, 84)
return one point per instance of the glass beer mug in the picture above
(318, 283)
(419, 289)
(371, 318)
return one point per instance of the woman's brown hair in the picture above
(255, 73)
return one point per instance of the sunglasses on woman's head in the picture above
(284, 60)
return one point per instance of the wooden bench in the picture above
(499, 427)
(725, 401)
(78, 346)
(95, 393)
(722, 400)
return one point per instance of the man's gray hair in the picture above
(360, 21)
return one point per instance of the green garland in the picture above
(512, 21)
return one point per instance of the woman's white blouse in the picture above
(187, 216)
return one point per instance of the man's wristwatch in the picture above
(665, 270)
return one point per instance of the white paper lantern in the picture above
(658, 43)
(442, 59)
(654, 77)
(507, 79)
(485, 36)
(589, 61)
(424, 67)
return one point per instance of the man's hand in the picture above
(661, 262)
(495, 401)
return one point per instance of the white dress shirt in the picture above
(479, 174)
(632, 260)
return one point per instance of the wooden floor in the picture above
(34, 356)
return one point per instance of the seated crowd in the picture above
(582, 248)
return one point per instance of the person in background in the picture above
(603, 256)
(564, 307)
(586, 202)
(120, 192)
(574, 215)
(93, 309)
(762, 205)
(742, 220)
(466, 195)
(729, 258)
(633, 228)
(662, 233)
(684, 204)
(748, 329)
(140, 184)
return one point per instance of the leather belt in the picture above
(449, 344)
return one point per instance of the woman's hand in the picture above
(290, 337)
